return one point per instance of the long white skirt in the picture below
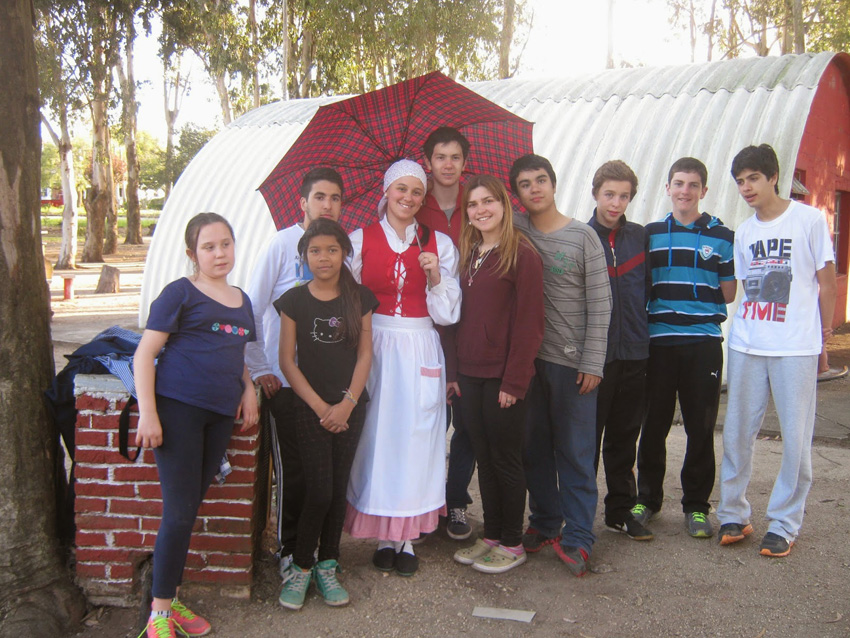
(400, 466)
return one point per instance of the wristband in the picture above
(347, 394)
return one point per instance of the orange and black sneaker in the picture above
(159, 627)
(775, 546)
(187, 622)
(733, 532)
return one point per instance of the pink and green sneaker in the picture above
(159, 627)
(188, 622)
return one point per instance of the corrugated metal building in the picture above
(648, 117)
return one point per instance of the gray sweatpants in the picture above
(793, 383)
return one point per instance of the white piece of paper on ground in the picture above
(503, 614)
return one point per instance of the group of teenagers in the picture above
(545, 340)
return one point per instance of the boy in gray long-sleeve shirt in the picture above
(562, 399)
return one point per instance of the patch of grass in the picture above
(55, 223)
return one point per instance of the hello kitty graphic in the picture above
(326, 330)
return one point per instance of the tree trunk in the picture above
(284, 56)
(255, 57)
(506, 39)
(711, 30)
(110, 240)
(172, 109)
(609, 63)
(306, 63)
(130, 107)
(799, 28)
(223, 97)
(36, 595)
(70, 219)
(98, 199)
(692, 25)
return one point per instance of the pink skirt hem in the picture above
(390, 528)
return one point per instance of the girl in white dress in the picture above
(397, 486)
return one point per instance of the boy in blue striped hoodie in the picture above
(693, 278)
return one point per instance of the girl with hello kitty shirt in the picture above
(328, 321)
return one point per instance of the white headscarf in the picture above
(401, 168)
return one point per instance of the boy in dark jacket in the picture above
(622, 391)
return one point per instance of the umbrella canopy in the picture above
(361, 136)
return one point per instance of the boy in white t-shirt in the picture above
(785, 259)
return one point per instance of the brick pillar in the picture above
(118, 506)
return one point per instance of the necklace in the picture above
(472, 269)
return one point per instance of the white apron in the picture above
(400, 466)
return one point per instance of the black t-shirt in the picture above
(324, 359)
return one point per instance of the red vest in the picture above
(382, 267)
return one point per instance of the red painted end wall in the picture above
(824, 155)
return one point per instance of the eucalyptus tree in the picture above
(61, 103)
(37, 597)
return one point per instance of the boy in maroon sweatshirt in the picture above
(446, 151)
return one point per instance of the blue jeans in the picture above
(560, 446)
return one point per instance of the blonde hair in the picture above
(509, 238)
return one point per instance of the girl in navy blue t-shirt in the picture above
(329, 321)
(189, 401)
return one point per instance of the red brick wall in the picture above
(118, 506)
(824, 154)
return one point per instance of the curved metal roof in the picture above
(647, 117)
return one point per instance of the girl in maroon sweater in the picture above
(500, 331)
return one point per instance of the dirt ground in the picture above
(672, 586)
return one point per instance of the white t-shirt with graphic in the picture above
(777, 262)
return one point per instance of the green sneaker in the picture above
(698, 525)
(295, 587)
(328, 585)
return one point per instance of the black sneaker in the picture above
(632, 528)
(457, 527)
(384, 559)
(734, 532)
(644, 514)
(533, 541)
(775, 546)
(406, 564)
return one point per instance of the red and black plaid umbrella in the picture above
(361, 136)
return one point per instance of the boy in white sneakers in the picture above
(784, 256)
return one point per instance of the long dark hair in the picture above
(349, 290)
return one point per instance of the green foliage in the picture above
(350, 46)
(151, 161)
(192, 140)
(50, 177)
(828, 27)
(765, 27)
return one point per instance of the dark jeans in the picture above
(193, 442)
(287, 462)
(497, 434)
(620, 408)
(326, 459)
(693, 372)
(560, 436)
(461, 459)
